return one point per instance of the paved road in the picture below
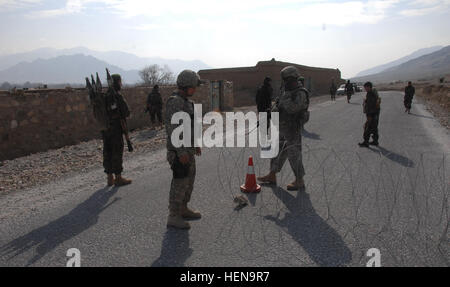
(394, 198)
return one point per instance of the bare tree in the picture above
(156, 75)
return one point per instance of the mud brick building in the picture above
(246, 80)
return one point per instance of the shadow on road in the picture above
(48, 237)
(175, 249)
(310, 135)
(420, 116)
(395, 157)
(322, 243)
(146, 135)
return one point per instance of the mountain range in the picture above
(63, 69)
(50, 61)
(435, 64)
(400, 61)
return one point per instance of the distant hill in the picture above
(126, 61)
(436, 64)
(400, 61)
(63, 69)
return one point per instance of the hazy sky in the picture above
(345, 34)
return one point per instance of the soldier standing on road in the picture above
(292, 107)
(154, 105)
(372, 111)
(181, 159)
(333, 90)
(264, 96)
(409, 94)
(349, 90)
(117, 110)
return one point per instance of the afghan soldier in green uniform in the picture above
(372, 111)
(409, 95)
(349, 90)
(154, 104)
(181, 159)
(292, 106)
(117, 110)
(333, 90)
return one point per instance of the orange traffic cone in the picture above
(250, 180)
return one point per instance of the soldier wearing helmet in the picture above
(292, 106)
(181, 159)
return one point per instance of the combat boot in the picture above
(110, 179)
(188, 213)
(296, 184)
(270, 178)
(364, 144)
(176, 221)
(121, 181)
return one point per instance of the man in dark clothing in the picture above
(372, 111)
(409, 94)
(349, 90)
(154, 104)
(333, 90)
(264, 96)
(117, 110)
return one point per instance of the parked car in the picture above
(341, 90)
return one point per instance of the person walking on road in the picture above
(372, 110)
(292, 106)
(409, 95)
(349, 90)
(333, 90)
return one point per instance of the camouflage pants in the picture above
(290, 148)
(113, 149)
(181, 188)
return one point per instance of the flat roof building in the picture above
(246, 80)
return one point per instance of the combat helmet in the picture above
(188, 79)
(290, 71)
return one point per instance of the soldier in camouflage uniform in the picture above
(112, 136)
(181, 159)
(292, 106)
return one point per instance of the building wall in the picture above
(35, 121)
(246, 80)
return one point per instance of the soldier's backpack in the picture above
(305, 115)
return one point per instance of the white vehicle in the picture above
(341, 90)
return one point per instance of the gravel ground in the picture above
(40, 168)
(441, 113)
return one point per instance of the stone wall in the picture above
(246, 80)
(38, 120)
